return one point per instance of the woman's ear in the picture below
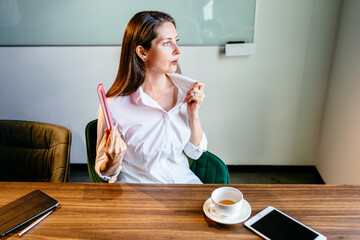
(140, 51)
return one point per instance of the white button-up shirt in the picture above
(156, 140)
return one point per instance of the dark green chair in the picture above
(90, 137)
(34, 151)
(209, 168)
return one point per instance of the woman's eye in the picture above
(167, 44)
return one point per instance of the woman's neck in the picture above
(162, 90)
(155, 85)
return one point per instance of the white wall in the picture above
(262, 109)
(339, 160)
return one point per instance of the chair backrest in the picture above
(34, 151)
(91, 137)
(209, 168)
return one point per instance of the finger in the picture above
(123, 147)
(197, 97)
(194, 93)
(111, 141)
(117, 145)
(106, 138)
(198, 93)
(188, 95)
(199, 85)
(107, 142)
(200, 96)
(119, 142)
(191, 97)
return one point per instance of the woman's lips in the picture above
(175, 62)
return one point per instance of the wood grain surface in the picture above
(174, 211)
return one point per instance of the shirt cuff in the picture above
(195, 152)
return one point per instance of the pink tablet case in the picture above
(104, 106)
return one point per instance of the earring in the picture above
(144, 59)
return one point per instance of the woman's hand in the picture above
(115, 149)
(194, 98)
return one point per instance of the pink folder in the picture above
(104, 106)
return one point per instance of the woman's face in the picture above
(163, 55)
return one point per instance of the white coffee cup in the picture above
(226, 201)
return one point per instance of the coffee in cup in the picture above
(226, 201)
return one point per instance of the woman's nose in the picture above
(176, 50)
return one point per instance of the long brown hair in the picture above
(141, 30)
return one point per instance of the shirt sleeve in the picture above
(195, 152)
(100, 150)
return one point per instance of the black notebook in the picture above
(24, 209)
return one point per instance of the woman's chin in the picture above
(172, 70)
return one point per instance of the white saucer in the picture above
(239, 217)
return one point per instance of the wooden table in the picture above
(166, 211)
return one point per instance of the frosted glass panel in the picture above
(102, 22)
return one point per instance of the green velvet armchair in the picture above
(209, 168)
(34, 151)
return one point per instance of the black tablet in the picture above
(273, 224)
(24, 209)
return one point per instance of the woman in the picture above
(155, 110)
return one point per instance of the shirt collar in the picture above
(135, 96)
(184, 84)
(140, 96)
